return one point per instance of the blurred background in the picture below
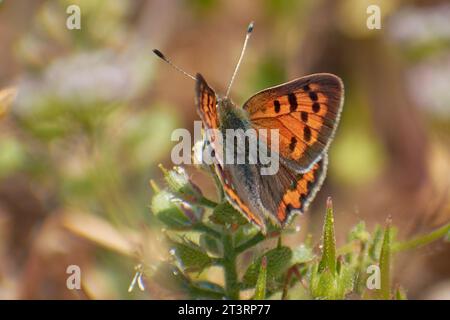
(95, 111)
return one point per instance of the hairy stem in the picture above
(250, 243)
(422, 240)
(229, 267)
(201, 227)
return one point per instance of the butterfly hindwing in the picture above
(304, 186)
(241, 196)
(305, 111)
(289, 192)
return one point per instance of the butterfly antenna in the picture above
(163, 57)
(247, 36)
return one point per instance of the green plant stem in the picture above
(385, 264)
(422, 240)
(229, 267)
(250, 243)
(204, 228)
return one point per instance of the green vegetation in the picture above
(304, 272)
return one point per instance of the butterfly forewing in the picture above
(206, 103)
(305, 111)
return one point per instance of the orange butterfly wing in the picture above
(302, 191)
(289, 192)
(206, 102)
(306, 112)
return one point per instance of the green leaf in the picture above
(225, 214)
(168, 212)
(206, 290)
(189, 256)
(323, 285)
(385, 263)
(278, 260)
(328, 260)
(211, 244)
(173, 279)
(345, 281)
(260, 292)
(244, 234)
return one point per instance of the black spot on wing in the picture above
(292, 102)
(313, 96)
(304, 116)
(316, 107)
(307, 134)
(293, 144)
(277, 106)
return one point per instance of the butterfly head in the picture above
(225, 104)
(230, 112)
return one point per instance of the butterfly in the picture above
(305, 111)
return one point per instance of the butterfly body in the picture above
(230, 116)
